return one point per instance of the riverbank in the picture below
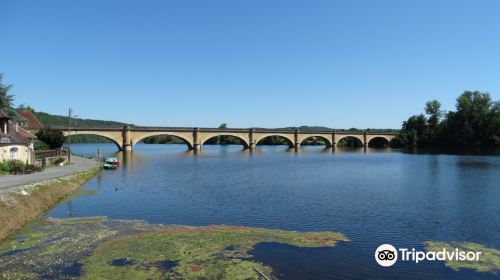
(23, 198)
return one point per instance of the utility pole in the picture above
(70, 117)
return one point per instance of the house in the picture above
(16, 143)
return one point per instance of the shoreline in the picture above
(20, 204)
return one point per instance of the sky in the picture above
(259, 63)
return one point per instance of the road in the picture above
(78, 165)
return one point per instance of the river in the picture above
(373, 196)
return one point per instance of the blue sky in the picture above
(265, 63)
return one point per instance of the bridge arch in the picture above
(243, 137)
(327, 141)
(289, 140)
(183, 137)
(379, 141)
(115, 138)
(359, 139)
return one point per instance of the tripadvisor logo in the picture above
(387, 255)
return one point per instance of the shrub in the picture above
(40, 145)
(8, 165)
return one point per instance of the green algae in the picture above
(98, 248)
(213, 252)
(48, 248)
(489, 260)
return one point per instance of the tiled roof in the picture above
(32, 122)
(21, 136)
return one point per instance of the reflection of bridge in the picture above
(126, 137)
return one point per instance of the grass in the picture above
(17, 209)
(489, 260)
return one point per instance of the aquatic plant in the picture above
(97, 248)
(213, 252)
(489, 260)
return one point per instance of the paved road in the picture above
(78, 165)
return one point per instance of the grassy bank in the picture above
(17, 208)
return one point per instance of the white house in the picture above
(16, 143)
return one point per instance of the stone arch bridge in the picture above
(127, 136)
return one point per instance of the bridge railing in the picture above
(234, 130)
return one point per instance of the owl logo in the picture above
(386, 255)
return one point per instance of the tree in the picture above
(434, 113)
(495, 123)
(5, 98)
(415, 129)
(473, 120)
(40, 145)
(23, 107)
(433, 110)
(476, 122)
(223, 139)
(54, 138)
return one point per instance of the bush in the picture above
(8, 165)
(54, 138)
(40, 145)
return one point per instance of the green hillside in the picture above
(53, 120)
(49, 120)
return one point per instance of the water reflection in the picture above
(484, 151)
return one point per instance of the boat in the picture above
(112, 160)
(109, 166)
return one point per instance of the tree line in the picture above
(474, 123)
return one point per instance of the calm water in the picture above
(374, 197)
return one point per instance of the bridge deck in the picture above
(230, 130)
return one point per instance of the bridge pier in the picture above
(334, 147)
(296, 138)
(334, 139)
(251, 141)
(127, 143)
(196, 140)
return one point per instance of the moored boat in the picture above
(112, 160)
(109, 166)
